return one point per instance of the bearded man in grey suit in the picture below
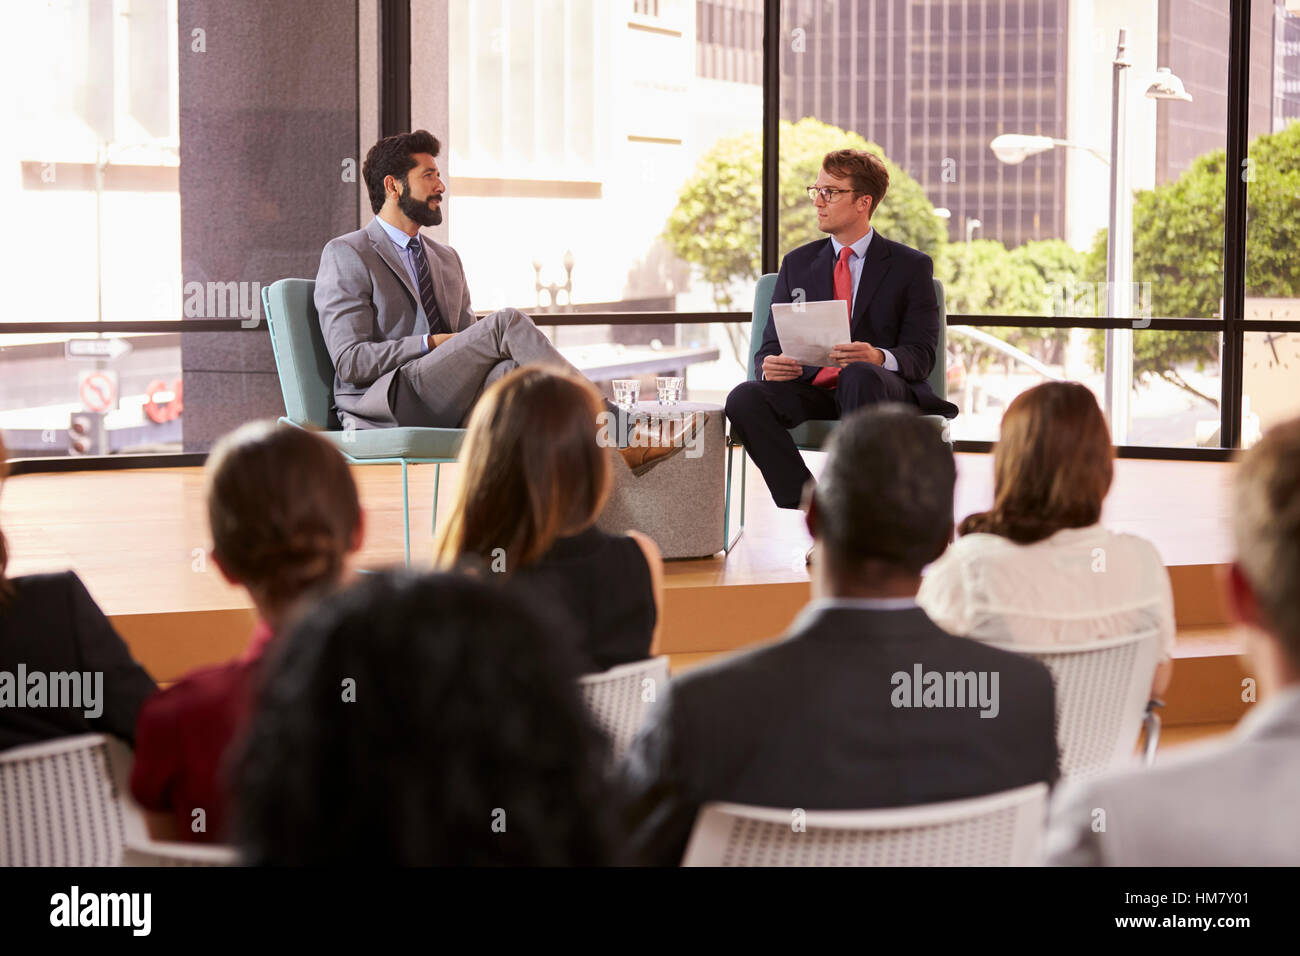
(1230, 802)
(395, 311)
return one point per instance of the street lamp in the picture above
(971, 226)
(1015, 148)
(554, 288)
(1119, 237)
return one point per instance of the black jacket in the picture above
(52, 624)
(895, 308)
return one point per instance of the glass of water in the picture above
(627, 391)
(669, 389)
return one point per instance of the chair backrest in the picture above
(1001, 829)
(1102, 690)
(59, 802)
(763, 313)
(621, 699)
(301, 358)
(140, 849)
(168, 853)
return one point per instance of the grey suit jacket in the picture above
(372, 319)
(1226, 803)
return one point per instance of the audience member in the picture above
(422, 721)
(865, 702)
(1223, 803)
(63, 668)
(284, 516)
(534, 481)
(1038, 569)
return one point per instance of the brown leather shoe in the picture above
(659, 439)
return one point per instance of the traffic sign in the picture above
(98, 390)
(95, 348)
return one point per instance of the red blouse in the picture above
(183, 737)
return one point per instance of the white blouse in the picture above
(1078, 585)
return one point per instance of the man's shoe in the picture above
(660, 439)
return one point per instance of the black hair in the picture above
(394, 156)
(886, 492)
(422, 720)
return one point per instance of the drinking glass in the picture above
(669, 389)
(626, 392)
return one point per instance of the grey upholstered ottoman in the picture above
(679, 501)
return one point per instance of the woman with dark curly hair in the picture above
(421, 721)
(285, 516)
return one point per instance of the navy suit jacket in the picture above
(894, 309)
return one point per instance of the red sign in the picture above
(163, 404)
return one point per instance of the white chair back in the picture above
(621, 698)
(59, 802)
(167, 853)
(1102, 688)
(1001, 829)
(140, 849)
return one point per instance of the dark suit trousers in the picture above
(761, 413)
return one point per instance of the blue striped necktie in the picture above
(436, 325)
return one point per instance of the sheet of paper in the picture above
(807, 330)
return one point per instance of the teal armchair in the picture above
(307, 383)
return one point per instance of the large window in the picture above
(165, 163)
(995, 117)
(1271, 346)
(584, 136)
(93, 183)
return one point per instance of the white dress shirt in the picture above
(1079, 585)
(401, 239)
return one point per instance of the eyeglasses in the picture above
(827, 193)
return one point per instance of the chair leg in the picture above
(406, 516)
(729, 542)
(437, 476)
(744, 467)
(726, 504)
(1151, 733)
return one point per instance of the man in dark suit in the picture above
(832, 716)
(893, 323)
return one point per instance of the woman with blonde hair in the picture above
(285, 517)
(1038, 568)
(534, 480)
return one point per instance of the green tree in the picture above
(1178, 249)
(715, 224)
(983, 277)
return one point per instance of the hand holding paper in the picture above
(808, 330)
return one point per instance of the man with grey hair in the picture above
(833, 716)
(1232, 802)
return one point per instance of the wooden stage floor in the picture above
(138, 539)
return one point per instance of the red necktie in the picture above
(828, 376)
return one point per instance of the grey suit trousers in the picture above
(439, 389)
